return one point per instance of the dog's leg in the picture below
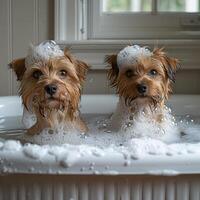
(81, 125)
(159, 118)
(40, 125)
(35, 129)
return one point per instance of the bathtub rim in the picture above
(189, 164)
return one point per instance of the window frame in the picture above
(75, 21)
(152, 25)
(70, 20)
(68, 24)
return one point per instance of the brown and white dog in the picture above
(50, 86)
(143, 79)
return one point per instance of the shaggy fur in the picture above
(156, 72)
(159, 85)
(68, 75)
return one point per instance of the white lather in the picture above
(42, 52)
(140, 121)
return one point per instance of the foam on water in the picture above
(137, 121)
(99, 134)
(189, 127)
(54, 137)
(100, 141)
(102, 135)
(68, 149)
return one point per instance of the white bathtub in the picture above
(157, 177)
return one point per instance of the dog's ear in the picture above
(18, 66)
(113, 70)
(81, 67)
(68, 55)
(171, 65)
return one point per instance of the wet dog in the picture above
(50, 86)
(143, 81)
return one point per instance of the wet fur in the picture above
(159, 86)
(64, 106)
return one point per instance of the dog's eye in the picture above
(153, 72)
(62, 73)
(129, 73)
(37, 74)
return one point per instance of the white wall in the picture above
(21, 22)
(25, 21)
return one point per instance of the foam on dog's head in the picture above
(42, 52)
(130, 54)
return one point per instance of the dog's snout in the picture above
(141, 88)
(50, 89)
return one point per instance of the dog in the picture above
(143, 80)
(50, 86)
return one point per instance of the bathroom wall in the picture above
(25, 21)
(21, 22)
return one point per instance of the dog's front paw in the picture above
(80, 125)
(36, 129)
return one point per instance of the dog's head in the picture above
(142, 75)
(50, 82)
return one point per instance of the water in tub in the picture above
(101, 139)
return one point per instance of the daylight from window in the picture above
(146, 5)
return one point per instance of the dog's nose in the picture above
(141, 88)
(50, 89)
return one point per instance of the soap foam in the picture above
(99, 143)
(100, 140)
(145, 126)
(101, 135)
(141, 122)
(54, 137)
(130, 54)
(42, 52)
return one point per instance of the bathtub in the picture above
(160, 177)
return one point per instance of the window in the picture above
(143, 19)
(95, 28)
(126, 19)
(146, 5)
(190, 6)
(126, 5)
